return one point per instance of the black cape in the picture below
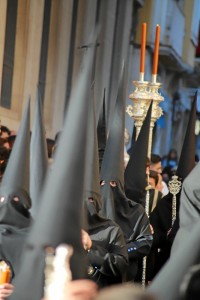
(151, 263)
(108, 255)
(161, 220)
(132, 219)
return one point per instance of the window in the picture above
(44, 48)
(195, 22)
(9, 50)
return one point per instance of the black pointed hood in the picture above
(15, 181)
(113, 162)
(38, 157)
(59, 218)
(101, 131)
(15, 218)
(129, 215)
(135, 173)
(92, 199)
(103, 231)
(187, 157)
(112, 168)
(17, 170)
(133, 140)
(92, 166)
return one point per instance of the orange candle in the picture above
(143, 47)
(156, 51)
(5, 275)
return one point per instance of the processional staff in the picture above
(144, 93)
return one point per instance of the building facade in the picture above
(42, 43)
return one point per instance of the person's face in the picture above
(156, 167)
(159, 185)
(173, 154)
(6, 145)
(152, 182)
(147, 170)
(4, 134)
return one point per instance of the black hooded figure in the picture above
(161, 217)
(136, 184)
(108, 256)
(60, 215)
(135, 175)
(129, 215)
(15, 202)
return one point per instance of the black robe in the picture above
(164, 233)
(151, 258)
(154, 197)
(108, 256)
(132, 219)
(186, 253)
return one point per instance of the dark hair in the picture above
(3, 141)
(154, 175)
(4, 153)
(11, 140)
(5, 129)
(4, 156)
(169, 158)
(155, 158)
